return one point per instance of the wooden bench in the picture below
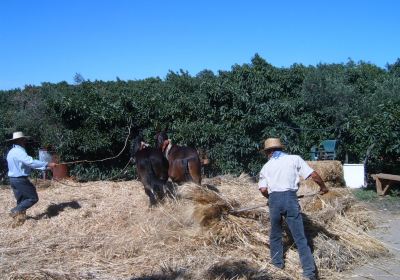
(384, 181)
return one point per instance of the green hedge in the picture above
(227, 114)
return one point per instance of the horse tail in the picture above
(186, 174)
(190, 172)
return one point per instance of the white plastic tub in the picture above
(44, 155)
(354, 175)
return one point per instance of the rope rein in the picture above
(105, 179)
(101, 160)
(104, 159)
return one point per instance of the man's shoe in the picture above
(280, 266)
(19, 219)
(14, 214)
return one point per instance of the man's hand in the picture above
(51, 165)
(323, 190)
(317, 179)
(264, 192)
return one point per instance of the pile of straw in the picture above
(105, 230)
(331, 172)
(335, 224)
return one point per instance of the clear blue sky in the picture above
(51, 40)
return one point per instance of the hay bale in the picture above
(339, 242)
(213, 212)
(331, 172)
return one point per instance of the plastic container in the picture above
(354, 175)
(44, 155)
(60, 171)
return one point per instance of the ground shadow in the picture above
(311, 230)
(234, 269)
(239, 269)
(210, 187)
(55, 209)
(165, 274)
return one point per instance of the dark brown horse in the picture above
(184, 162)
(152, 169)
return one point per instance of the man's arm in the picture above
(262, 183)
(317, 179)
(264, 192)
(51, 165)
(27, 160)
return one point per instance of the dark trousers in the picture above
(285, 204)
(24, 192)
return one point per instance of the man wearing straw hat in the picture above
(20, 165)
(279, 179)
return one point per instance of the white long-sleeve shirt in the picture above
(282, 172)
(21, 164)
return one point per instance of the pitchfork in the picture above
(265, 204)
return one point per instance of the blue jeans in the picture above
(24, 192)
(285, 204)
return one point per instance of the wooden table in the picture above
(384, 181)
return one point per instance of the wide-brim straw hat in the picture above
(18, 135)
(273, 143)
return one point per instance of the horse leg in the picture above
(159, 189)
(194, 167)
(152, 197)
(171, 189)
(176, 172)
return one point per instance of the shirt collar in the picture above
(277, 154)
(18, 146)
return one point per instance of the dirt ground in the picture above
(387, 217)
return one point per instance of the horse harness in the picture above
(166, 148)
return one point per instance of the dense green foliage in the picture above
(227, 114)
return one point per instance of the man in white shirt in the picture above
(20, 165)
(279, 182)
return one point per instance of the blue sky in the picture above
(51, 40)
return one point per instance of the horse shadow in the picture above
(238, 269)
(54, 210)
(234, 269)
(165, 274)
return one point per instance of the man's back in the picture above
(282, 172)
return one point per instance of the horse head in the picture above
(136, 145)
(160, 138)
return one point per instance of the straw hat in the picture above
(18, 135)
(271, 143)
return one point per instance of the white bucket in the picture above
(354, 175)
(44, 155)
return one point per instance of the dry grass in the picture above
(105, 230)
